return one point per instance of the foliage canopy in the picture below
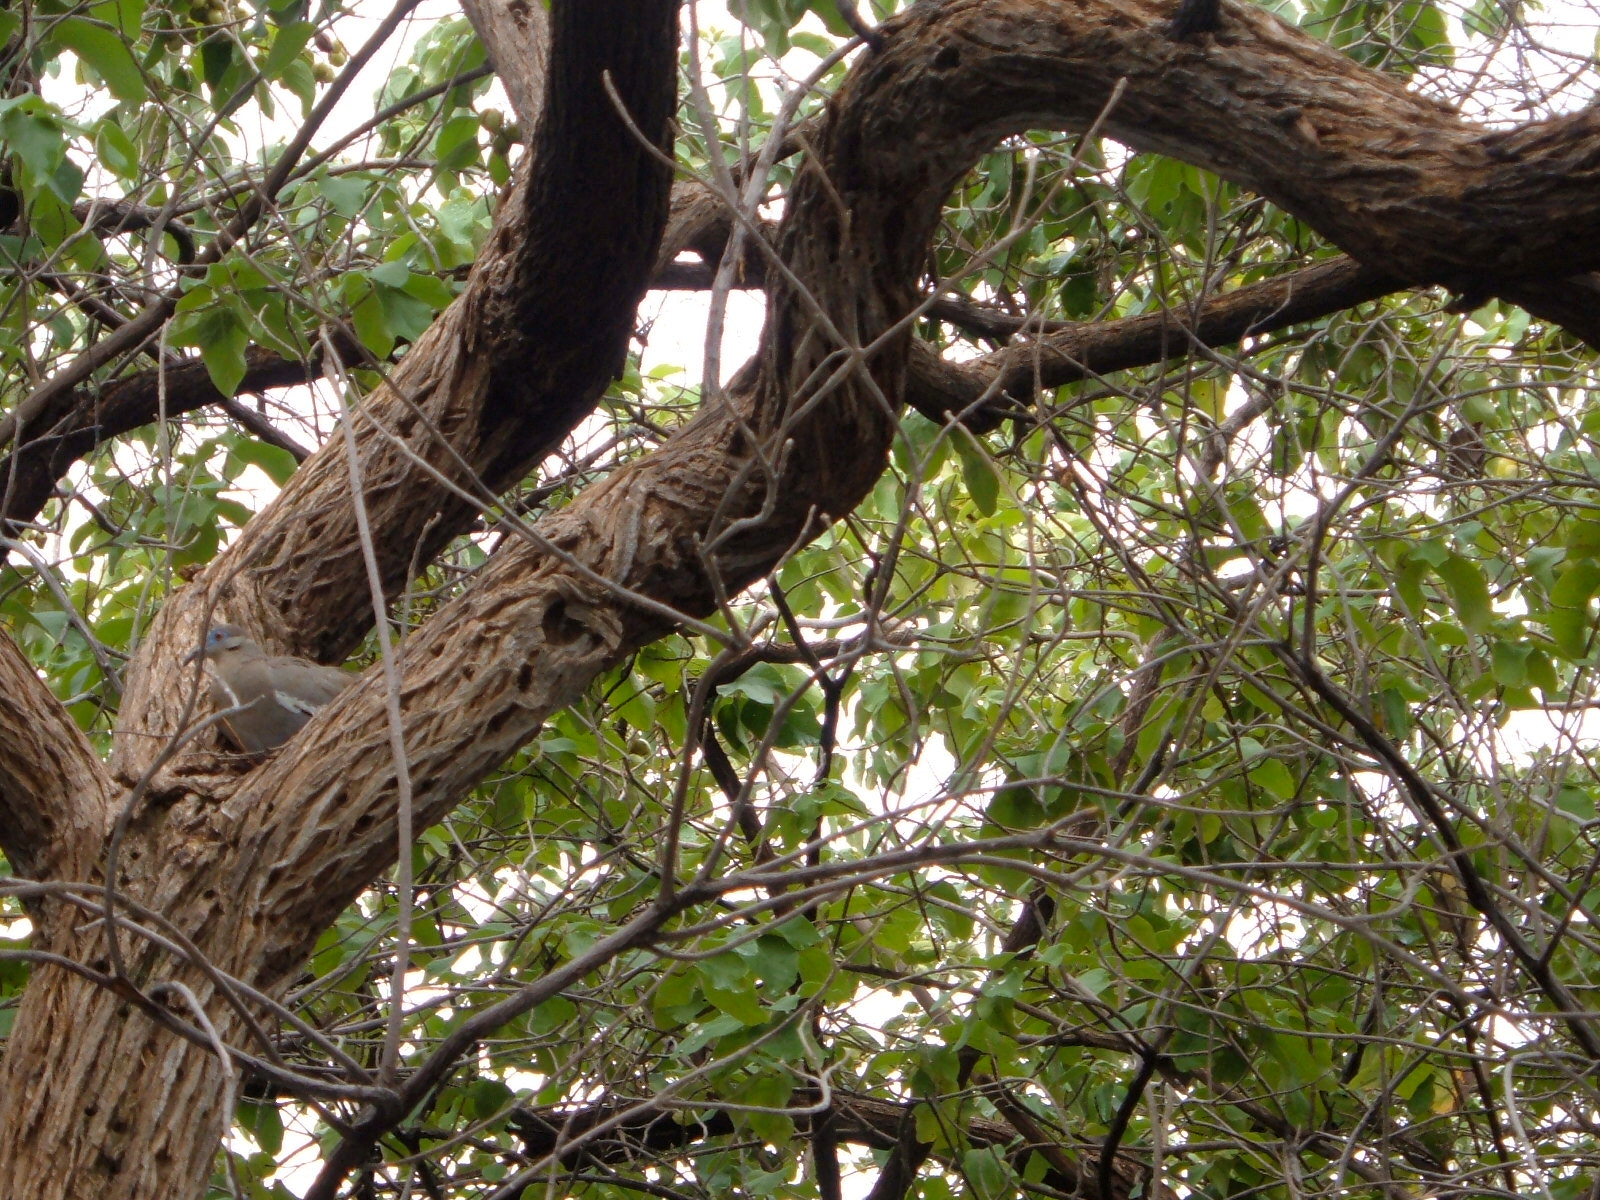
(1107, 791)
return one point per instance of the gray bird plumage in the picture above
(276, 694)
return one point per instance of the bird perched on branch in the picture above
(274, 694)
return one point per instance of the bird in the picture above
(275, 694)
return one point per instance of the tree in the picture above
(1151, 763)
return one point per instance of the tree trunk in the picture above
(97, 1101)
(104, 1102)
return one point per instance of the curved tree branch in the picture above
(29, 474)
(527, 346)
(493, 386)
(715, 508)
(1396, 180)
(54, 795)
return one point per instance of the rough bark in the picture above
(977, 391)
(809, 434)
(130, 1111)
(491, 388)
(53, 793)
(95, 1099)
(1399, 181)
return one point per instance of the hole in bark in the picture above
(560, 629)
(109, 1164)
(525, 677)
(947, 58)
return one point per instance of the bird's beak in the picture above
(193, 655)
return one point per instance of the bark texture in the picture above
(53, 793)
(122, 1108)
(99, 1100)
(491, 388)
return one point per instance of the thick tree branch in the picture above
(639, 1134)
(808, 434)
(985, 388)
(1396, 180)
(29, 474)
(505, 371)
(982, 390)
(493, 386)
(517, 37)
(717, 506)
(54, 796)
(1572, 302)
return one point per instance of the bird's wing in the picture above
(314, 686)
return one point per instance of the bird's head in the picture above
(220, 639)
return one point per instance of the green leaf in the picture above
(1542, 673)
(1469, 591)
(979, 474)
(457, 146)
(462, 220)
(487, 1098)
(274, 461)
(345, 194)
(107, 53)
(223, 341)
(391, 274)
(775, 963)
(112, 147)
(676, 999)
(710, 1031)
(1509, 661)
(404, 315)
(287, 44)
(1568, 619)
(264, 1123)
(730, 986)
(125, 16)
(433, 292)
(372, 326)
(986, 1173)
(770, 1092)
(32, 130)
(1576, 801)
(1273, 775)
(1582, 538)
